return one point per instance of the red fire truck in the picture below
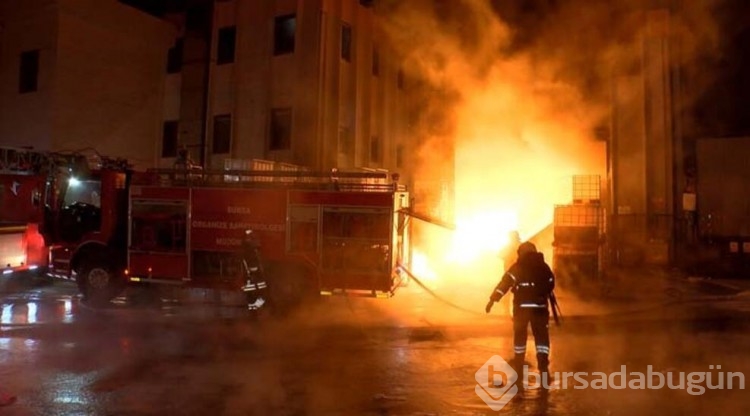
(332, 232)
(21, 243)
(22, 187)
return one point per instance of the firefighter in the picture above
(255, 287)
(532, 282)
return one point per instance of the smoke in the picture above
(512, 101)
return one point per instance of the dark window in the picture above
(346, 42)
(174, 57)
(227, 42)
(169, 139)
(375, 149)
(375, 62)
(356, 241)
(400, 79)
(28, 78)
(280, 134)
(222, 137)
(158, 226)
(400, 156)
(283, 34)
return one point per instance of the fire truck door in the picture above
(302, 232)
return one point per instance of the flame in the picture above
(422, 269)
(479, 234)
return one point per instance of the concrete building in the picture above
(78, 74)
(306, 82)
(645, 150)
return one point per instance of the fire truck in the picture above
(22, 186)
(319, 233)
(51, 203)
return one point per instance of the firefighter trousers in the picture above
(539, 320)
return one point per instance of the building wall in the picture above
(110, 79)
(332, 100)
(25, 119)
(642, 151)
(101, 77)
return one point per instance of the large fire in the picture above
(509, 170)
(479, 234)
(515, 137)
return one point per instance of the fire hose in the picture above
(555, 306)
(433, 294)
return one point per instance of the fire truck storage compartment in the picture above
(356, 248)
(334, 238)
(12, 247)
(158, 238)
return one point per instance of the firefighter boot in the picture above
(544, 374)
(517, 364)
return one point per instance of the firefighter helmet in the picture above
(525, 248)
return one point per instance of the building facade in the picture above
(82, 74)
(307, 82)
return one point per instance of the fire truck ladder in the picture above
(333, 180)
(29, 161)
(22, 160)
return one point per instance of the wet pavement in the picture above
(409, 355)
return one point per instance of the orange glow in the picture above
(421, 268)
(507, 134)
(480, 233)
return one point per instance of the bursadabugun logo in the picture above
(496, 382)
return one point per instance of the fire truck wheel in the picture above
(97, 282)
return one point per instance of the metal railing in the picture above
(297, 179)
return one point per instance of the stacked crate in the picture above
(578, 234)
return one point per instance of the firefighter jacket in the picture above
(530, 279)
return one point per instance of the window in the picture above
(226, 46)
(375, 62)
(303, 228)
(400, 156)
(284, 33)
(158, 226)
(222, 137)
(280, 132)
(375, 149)
(169, 139)
(346, 42)
(28, 76)
(85, 191)
(174, 57)
(356, 240)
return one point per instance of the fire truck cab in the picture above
(323, 233)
